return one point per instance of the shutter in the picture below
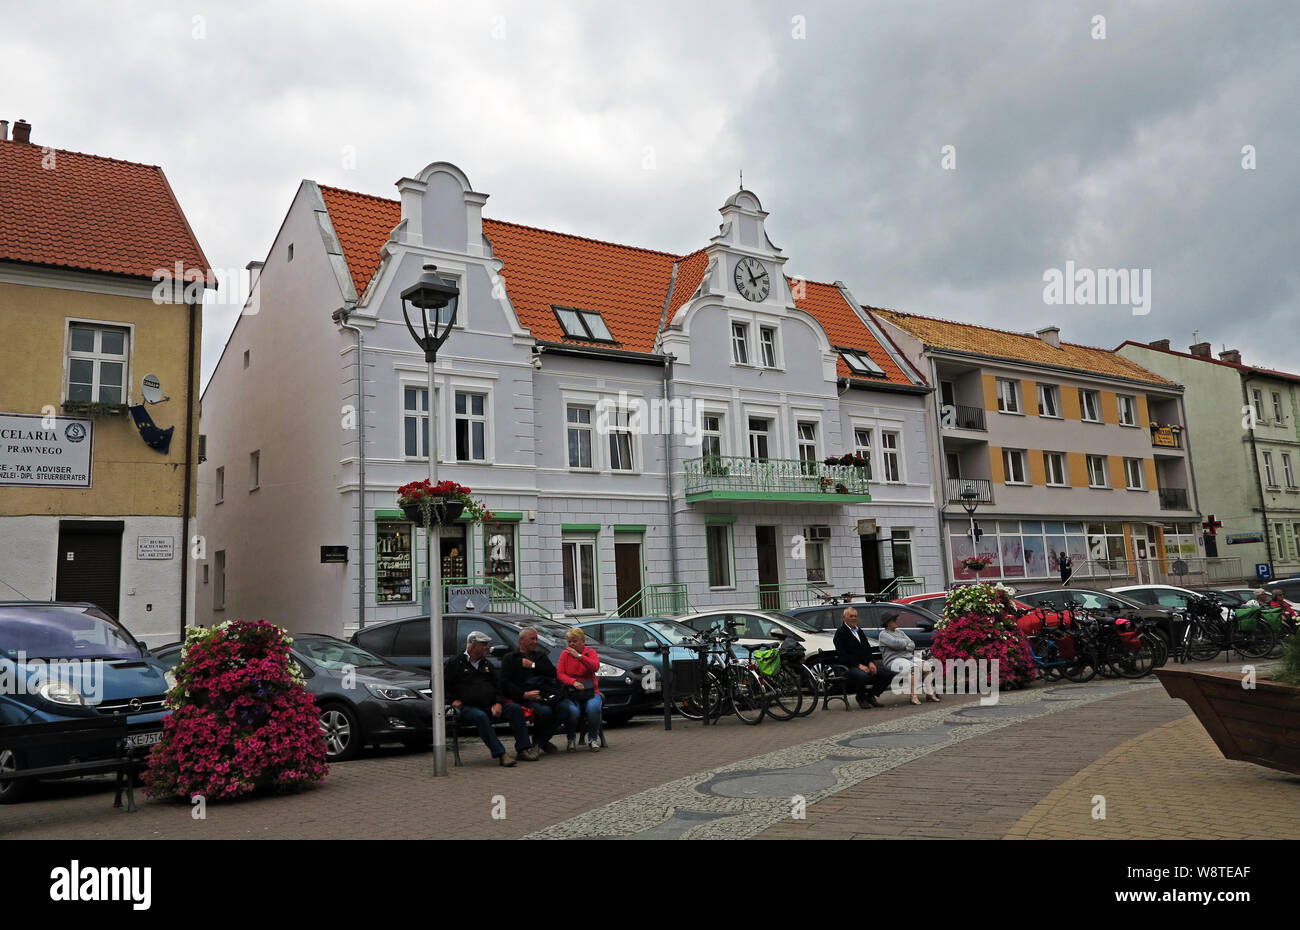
(94, 574)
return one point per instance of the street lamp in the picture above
(430, 295)
(969, 502)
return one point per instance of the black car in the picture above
(363, 699)
(406, 642)
(1106, 601)
(917, 622)
(1290, 588)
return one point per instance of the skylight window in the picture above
(861, 364)
(583, 324)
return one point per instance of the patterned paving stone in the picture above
(774, 783)
(899, 740)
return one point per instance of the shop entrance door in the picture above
(871, 574)
(90, 563)
(769, 573)
(627, 577)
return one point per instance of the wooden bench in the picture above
(125, 763)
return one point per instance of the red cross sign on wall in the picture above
(1211, 525)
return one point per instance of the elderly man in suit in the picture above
(868, 676)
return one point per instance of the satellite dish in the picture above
(151, 387)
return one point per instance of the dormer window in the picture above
(583, 324)
(861, 364)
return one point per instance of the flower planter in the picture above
(442, 512)
(1259, 725)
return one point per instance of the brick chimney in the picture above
(23, 131)
(1160, 344)
(1231, 355)
(4, 130)
(1200, 350)
(1050, 335)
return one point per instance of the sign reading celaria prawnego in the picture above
(45, 452)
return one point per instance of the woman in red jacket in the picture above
(577, 671)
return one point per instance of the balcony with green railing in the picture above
(737, 478)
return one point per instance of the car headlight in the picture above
(609, 671)
(392, 692)
(58, 692)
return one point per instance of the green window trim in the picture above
(580, 527)
(509, 516)
(629, 528)
(391, 515)
(719, 518)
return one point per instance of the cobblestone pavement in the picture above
(1023, 767)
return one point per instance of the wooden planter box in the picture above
(1260, 725)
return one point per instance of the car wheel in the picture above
(17, 789)
(342, 732)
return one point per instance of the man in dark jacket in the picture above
(868, 676)
(528, 678)
(472, 686)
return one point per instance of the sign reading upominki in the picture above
(35, 454)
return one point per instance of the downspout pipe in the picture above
(341, 316)
(190, 440)
(668, 470)
(1259, 482)
(942, 471)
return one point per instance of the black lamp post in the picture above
(969, 502)
(429, 296)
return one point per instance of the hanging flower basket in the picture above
(439, 504)
(977, 564)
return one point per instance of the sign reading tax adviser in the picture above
(37, 455)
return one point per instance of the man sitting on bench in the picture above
(868, 676)
(472, 686)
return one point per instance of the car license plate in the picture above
(137, 740)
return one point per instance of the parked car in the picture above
(754, 627)
(406, 642)
(363, 699)
(1290, 588)
(1164, 595)
(934, 603)
(123, 681)
(636, 633)
(917, 622)
(1098, 599)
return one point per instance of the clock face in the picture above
(752, 279)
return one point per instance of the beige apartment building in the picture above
(1067, 448)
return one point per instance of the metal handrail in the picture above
(656, 600)
(741, 473)
(502, 598)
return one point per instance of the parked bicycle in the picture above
(1209, 632)
(729, 684)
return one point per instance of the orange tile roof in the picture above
(627, 285)
(1020, 347)
(91, 213)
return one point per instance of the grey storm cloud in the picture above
(632, 122)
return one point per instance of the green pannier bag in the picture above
(1247, 617)
(1273, 617)
(767, 660)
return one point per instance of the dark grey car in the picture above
(917, 622)
(363, 699)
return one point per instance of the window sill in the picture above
(730, 588)
(1018, 484)
(1013, 413)
(1086, 420)
(1049, 485)
(1100, 487)
(1050, 416)
(1129, 425)
(1135, 489)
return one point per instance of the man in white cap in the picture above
(473, 688)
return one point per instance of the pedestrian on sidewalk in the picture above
(1066, 564)
(899, 654)
(577, 672)
(866, 671)
(474, 689)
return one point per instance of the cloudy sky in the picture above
(630, 122)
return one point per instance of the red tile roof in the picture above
(91, 213)
(627, 285)
(1249, 369)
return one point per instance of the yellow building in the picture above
(98, 385)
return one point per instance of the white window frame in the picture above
(1020, 457)
(897, 454)
(96, 356)
(867, 451)
(720, 434)
(1009, 401)
(728, 562)
(1270, 475)
(817, 538)
(1258, 396)
(254, 470)
(418, 415)
(578, 542)
(1133, 468)
(860, 363)
(219, 484)
(1049, 395)
(454, 280)
(589, 428)
(751, 434)
(1288, 473)
(585, 322)
(765, 344)
(901, 538)
(485, 418)
(740, 344)
(618, 426)
(1063, 468)
(1084, 396)
(1127, 407)
(1105, 471)
(1277, 408)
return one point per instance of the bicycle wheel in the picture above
(748, 696)
(812, 688)
(1202, 645)
(1256, 643)
(1137, 663)
(784, 697)
(691, 708)
(1081, 670)
(1159, 647)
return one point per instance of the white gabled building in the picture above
(562, 347)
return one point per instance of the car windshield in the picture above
(671, 630)
(803, 626)
(335, 654)
(549, 633)
(48, 631)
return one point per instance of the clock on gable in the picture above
(752, 279)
